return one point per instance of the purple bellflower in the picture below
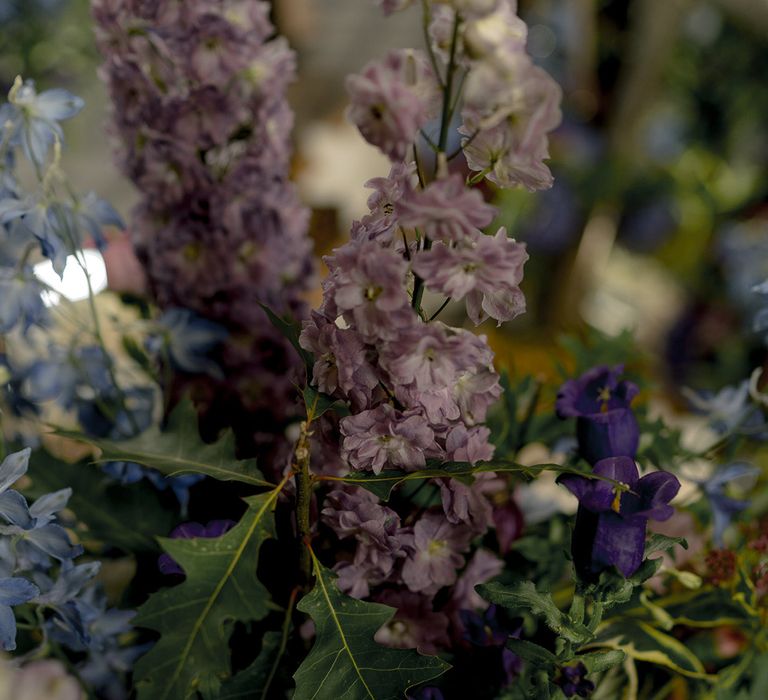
(600, 402)
(611, 520)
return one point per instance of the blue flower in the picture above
(188, 339)
(726, 410)
(13, 591)
(33, 117)
(724, 507)
(38, 221)
(131, 473)
(20, 301)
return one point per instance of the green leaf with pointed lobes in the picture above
(196, 618)
(345, 662)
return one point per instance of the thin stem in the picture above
(451, 156)
(418, 284)
(283, 642)
(425, 18)
(405, 244)
(447, 92)
(442, 306)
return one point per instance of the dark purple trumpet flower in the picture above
(611, 520)
(573, 681)
(605, 424)
(188, 531)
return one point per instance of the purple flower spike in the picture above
(600, 402)
(190, 531)
(611, 521)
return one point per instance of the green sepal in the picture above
(524, 596)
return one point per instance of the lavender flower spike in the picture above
(610, 523)
(200, 110)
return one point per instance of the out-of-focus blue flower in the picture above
(13, 591)
(610, 523)
(39, 221)
(600, 402)
(20, 301)
(92, 214)
(117, 415)
(33, 117)
(131, 473)
(13, 467)
(724, 507)
(187, 340)
(728, 409)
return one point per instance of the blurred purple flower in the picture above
(446, 210)
(600, 402)
(392, 99)
(573, 681)
(611, 522)
(189, 531)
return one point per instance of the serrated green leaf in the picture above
(318, 403)
(290, 330)
(129, 517)
(528, 651)
(662, 543)
(524, 596)
(643, 642)
(251, 682)
(383, 483)
(195, 619)
(345, 661)
(602, 660)
(178, 449)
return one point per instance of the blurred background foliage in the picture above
(658, 221)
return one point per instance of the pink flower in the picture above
(383, 437)
(436, 555)
(487, 272)
(392, 99)
(367, 286)
(446, 210)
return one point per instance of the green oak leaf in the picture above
(345, 661)
(196, 618)
(382, 484)
(290, 329)
(252, 683)
(103, 505)
(524, 596)
(178, 449)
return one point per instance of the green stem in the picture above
(425, 18)
(447, 92)
(442, 306)
(418, 284)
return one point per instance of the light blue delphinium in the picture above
(187, 340)
(13, 591)
(730, 409)
(724, 507)
(33, 118)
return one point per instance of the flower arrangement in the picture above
(243, 497)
